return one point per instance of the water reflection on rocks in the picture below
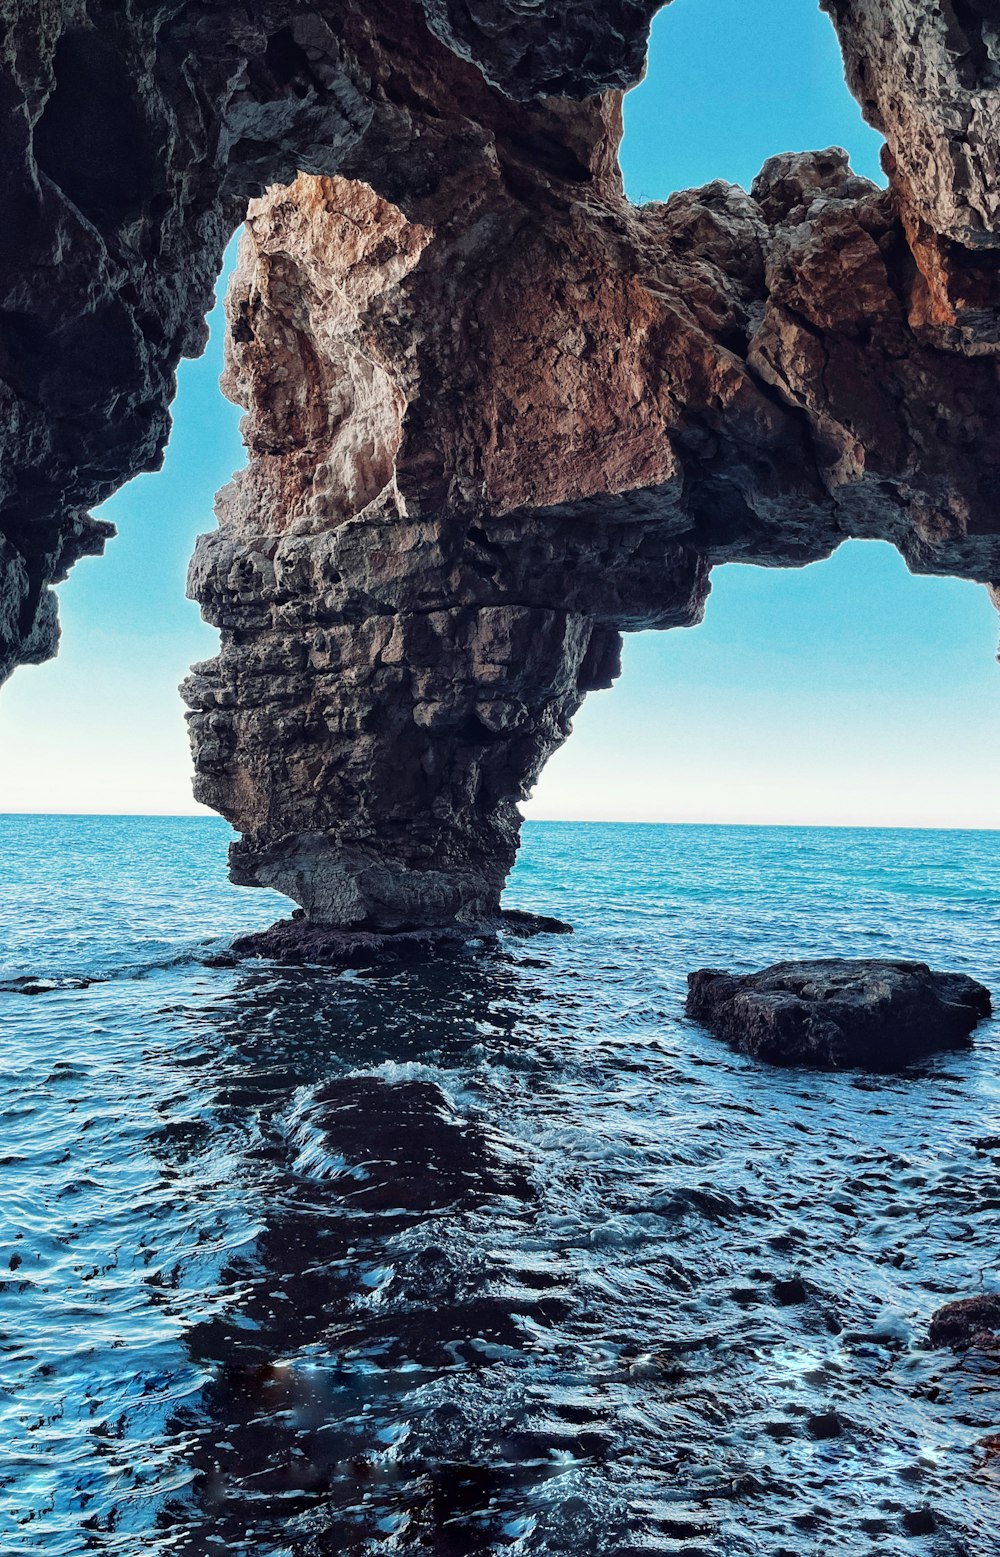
(368, 1386)
(517, 1292)
(497, 1252)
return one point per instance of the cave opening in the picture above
(416, 1226)
(730, 83)
(848, 693)
(100, 728)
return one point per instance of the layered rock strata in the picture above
(496, 415)
(487, 438)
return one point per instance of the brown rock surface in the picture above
(967, 1322)
(927, 74)
(461, 490)
(496, 415)
(134, 131)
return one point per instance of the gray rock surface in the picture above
(869, 1014)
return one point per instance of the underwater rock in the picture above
(791, 1292)
(869, 1014)
(438, 1156)
(920, 1521)
(967, 1323)
(36, 984)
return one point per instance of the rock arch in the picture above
(496, 415)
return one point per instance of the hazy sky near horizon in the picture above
(847, 692)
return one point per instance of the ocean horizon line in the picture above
(545, 821)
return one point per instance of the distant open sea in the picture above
(492, 1252)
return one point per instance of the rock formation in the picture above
(966, 1323)
(496, 415)
(134, 132)
(865, 1013)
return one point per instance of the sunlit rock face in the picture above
(927, 74)
(495, 415)
(133, 134)
(486, 439)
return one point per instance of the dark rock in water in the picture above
(30, 984)
(299, 940)
(400, 1145)
(833, 1013)
(791, 1292)
(968, 1322)
(517, 921)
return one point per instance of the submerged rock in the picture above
(32, 984)
(967, 1322)
(299, 940)
(824, 1425)
(834, 1013)
(399, 1145)
(920, 1521)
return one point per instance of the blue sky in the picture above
(846, 692)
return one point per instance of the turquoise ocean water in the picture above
(495, 1251)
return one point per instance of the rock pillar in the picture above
(489, 434)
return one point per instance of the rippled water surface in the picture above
(494, 1252)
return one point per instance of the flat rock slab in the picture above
(835, 1014)
(299, 940)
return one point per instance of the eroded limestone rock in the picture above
(927, 74)
(484, 443)
(496, 415)
(865, 1013)
(133, 135)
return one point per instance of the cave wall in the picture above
(495, 415)
(134, 132)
